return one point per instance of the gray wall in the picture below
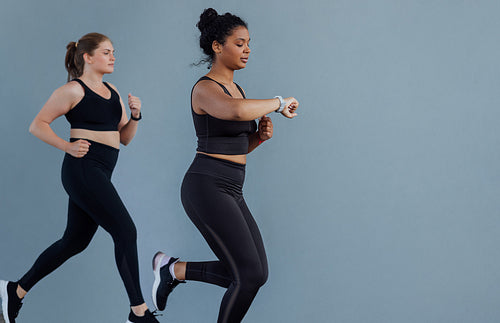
(378, 203)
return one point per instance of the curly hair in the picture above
(216, 27)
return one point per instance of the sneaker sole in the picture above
(156, 272)
(5, 300)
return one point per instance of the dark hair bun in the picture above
(207, 18)
(215, 27)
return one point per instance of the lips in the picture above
(244, 59)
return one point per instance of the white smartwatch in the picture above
(282, 104)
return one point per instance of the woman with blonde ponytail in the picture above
(70, 62)
(99, 124)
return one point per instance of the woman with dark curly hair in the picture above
(211, 192)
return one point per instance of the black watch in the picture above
(136, 119)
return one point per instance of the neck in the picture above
(91, 77)
(221, 74)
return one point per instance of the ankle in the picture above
(20, 292)
(180, 270)
(139, 310)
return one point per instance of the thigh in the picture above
(92, 190)
(218, 216)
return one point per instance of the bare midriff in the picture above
(110, 138)
(240, 159)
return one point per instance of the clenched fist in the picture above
(291, 104)
(134, 104)
(265, 128)
(78, 148)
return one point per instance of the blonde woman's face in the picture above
(103, 59)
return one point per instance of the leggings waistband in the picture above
(99, 152)
(208, 165)
(96, 144)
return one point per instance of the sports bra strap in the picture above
(241, 90)
(223, 87)
(108, 86)
(81, 82)
(86, 87)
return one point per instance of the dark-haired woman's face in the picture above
(236, 50)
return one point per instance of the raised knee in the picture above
(254, 278)
(260, 274)
(264, 276)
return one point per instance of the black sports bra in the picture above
(217, 136)
(94, 112)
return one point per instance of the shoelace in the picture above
(156, 314)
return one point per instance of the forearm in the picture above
(253, 141)
(250, 109)
(127, 132)
(44, 132)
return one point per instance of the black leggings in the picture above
(212, 197)
(93, 202)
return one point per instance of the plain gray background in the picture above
(378, 203)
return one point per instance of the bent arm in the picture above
(59, 103)
(209, 98)
(264, 132)
(126, 127)
(128, 131)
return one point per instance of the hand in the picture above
(291, 104)
(78, 148)
(134, 104)
(265, 128)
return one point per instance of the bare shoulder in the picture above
(207, 88)
(63, 99)
(70, 91)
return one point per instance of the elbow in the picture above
(238, 113)
(125, 141)
(237, 116)
(32, 128)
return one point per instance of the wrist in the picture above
(282, 104)
(134, 118)
(65, 146)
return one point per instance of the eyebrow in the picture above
(243, 39)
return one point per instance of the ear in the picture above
(216, 47)
(87, 58)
